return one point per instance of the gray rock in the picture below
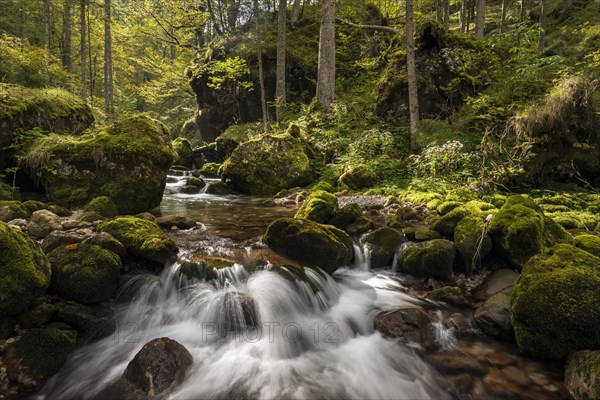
(493, 316)
(43, 222)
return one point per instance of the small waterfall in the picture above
(362, 256)
(398, 254)
(445, 335)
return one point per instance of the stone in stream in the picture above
(43, 222)
(24, 270)
(181, 222)
(155, 370)
(410, 325)
(582, 375)
(91, 323)
(60, 238)
(383, 243)
(428, 259)
(493, 317)
(108, 242)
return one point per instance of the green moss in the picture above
(185, 154)
(38, 354)
(309, 242)
(8, 192)
(429, 259)
(323, 185)
(496, 199)
(37, 316)
(554, 303)
(91, 216)
(102, 205)
(582, 375)
(589, 243)
(461, 195)
(345, 216)
(447, 223)
(423, 235)
(91, 324)
(126, 161)
(84, 273)
(383, 243)
(210, 169)
(447, 206)
(142, 238)
(470, 240)
(319, 207)
(24, 271)
(32, 205)
(219, 189)
(267, 165)
(357, 177)
(448, 294)
(10, 210)
(197, 182)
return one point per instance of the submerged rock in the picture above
(126, 161)
(582, 375)
(180, 221)
(309, 242)
(24, 271)
(142, 238)
(268, 164)
(554, 303)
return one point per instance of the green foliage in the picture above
(447, 161)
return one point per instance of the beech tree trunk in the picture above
(261, 76)
(411, 71)
(480, 21)
(109, 102)
(47, 30)
(66, 57)
(326, 67)
(542, 43)
(280, 69)
(503, 15)
(82, 33)
(295, 12)
(523, 10)
(462, 16)
(447, 14)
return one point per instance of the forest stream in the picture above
(259, 326)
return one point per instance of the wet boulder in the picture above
(428, 259)
(582, 375)
(493, 317)
(319, 207)
(448, 294)
(24, 270)
(180, 221)
(554, 303)
(410, 325)
(126, 161)
(91, 323)
(185, 153)
(36, 355)
(84, 273)
(309, 242)
(268, 164)
(218, 188)
(142, 239)
(43, 222)
(383, 244)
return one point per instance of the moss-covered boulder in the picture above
(24, 271)
(84, 273)
(554, 303)
(493, 316)
(7, 192)
(589, 243)
(472, 241)
(102, 205)
(383, 244)
(26, 113)
(218, 189)
(91, 324)
(10, 210)
(268, 164)
(521, 230)
(126, 161)
(429, 259)
(108, 242)
(309, 242)
(142, 238)
(448, 294)
(184, 151)
(37, 355)
(448, 222)
(318, 207)
(358, 177)
(345, 216)
(43, 222)
(582, 375)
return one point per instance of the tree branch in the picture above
(369, 27)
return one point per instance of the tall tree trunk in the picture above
(47, 31)
(66, 59)
(542, 43)
(295, 12)
(326, 68)
(438, 10)
(91, 65)
(480, 21)
(261, 76)
(523, 10)
(280, 69)
(469, 14)
(503, 15)
(82, 32)
(447, 14)
(411, 71)
(109, 102)
(462, 16)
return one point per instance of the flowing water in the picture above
(259, 326)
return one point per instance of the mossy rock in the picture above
(323, 185)
(461, 195)
(446, 224)
(428, 259)
(318, 207)
(185, 154)
(345, 216)
(554, 303)
(37, 316)
(470, 241)
(102, 205)
(423, 235)
(589, 243)
(266, 165)
(383, 244)
(24, 271)
(360, 226)
(142, 238)
(356, 178)
(210, 169)
(447, 206)
(84, 273)
(91, 216)
(108, 242)
(521, 230)
(10, 210)
(33, 205)
(218, 189)
(7, 192)
(126, 161)
(448, 294)
(92, 324)
(196, 182)
(37, 355)
(582, 375)
(309, 242)
(188, 189)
